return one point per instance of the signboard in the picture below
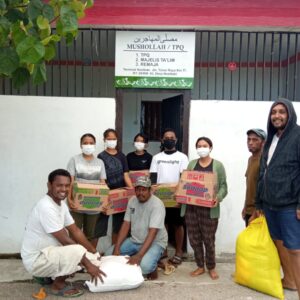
(155, 59)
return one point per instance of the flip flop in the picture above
(175, 260)
(169, 269)
(66, 288)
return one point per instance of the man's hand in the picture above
(298, 214)
(257, 213)
(116, 251)
(95, 273)
(134, 260)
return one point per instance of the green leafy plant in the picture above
(27, 39)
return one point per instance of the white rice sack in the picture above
(119, 275)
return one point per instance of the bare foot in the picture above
(197, 272)
(288, 285)
(213, 274)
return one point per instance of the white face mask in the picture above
(139, 146)
(88, 149)
(111, 144)
(203, 151)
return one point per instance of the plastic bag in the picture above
(257, 261)
(119, 275)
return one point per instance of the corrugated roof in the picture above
(194, 13)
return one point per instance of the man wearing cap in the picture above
(144, 218)
(255, 142)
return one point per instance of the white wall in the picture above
(226, 123)
(38, 135)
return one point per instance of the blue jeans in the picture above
(149, 260)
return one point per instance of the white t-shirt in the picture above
(272, 148)
(168, 166)
(45, 218)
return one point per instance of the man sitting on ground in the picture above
(53, 246)
(144, 219)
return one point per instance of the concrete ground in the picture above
(16, 283)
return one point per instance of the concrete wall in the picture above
(226, 123)
(37, 136)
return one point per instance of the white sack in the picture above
(119, 275)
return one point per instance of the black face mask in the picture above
(169, 144)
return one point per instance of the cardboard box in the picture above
(135, 174)
(166, 193)
(117, 200)
(89, 197)
(197, 188)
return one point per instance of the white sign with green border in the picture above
(148, 59)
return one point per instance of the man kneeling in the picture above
(53, 246)
(144, 218)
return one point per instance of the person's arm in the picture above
(121, 237)
(79, 237)
(222, 184)
(137, 258)
(76, 237)
(128, 180)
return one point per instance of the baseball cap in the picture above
(143, 181)
(259, 132)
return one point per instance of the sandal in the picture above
(64, 292)
(175, 260)
(169, 269)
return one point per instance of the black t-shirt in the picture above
(139, 162)
(209, 168)
(115, 167)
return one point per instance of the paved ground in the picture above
(16, 283)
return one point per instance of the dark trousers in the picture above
(201, 232)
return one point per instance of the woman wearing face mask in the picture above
(87, 168)
(202, 222)
(140, 159)
(117, 177)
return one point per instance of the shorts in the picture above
(173, 217)
(284, 226)
(56, 261)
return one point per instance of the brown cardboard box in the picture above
(89, 197)
(197, 188)
(135, 174)
(117, 200)
(166, 193)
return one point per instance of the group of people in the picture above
(273, 188)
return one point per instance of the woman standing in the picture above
(202, 222)
(87, 168)
(140, 159)
(117, 177)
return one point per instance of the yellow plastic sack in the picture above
(257, 261)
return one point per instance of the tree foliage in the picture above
(27, 39)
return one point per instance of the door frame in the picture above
(186, 112)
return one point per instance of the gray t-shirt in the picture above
(88, 171)
(143, 216)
